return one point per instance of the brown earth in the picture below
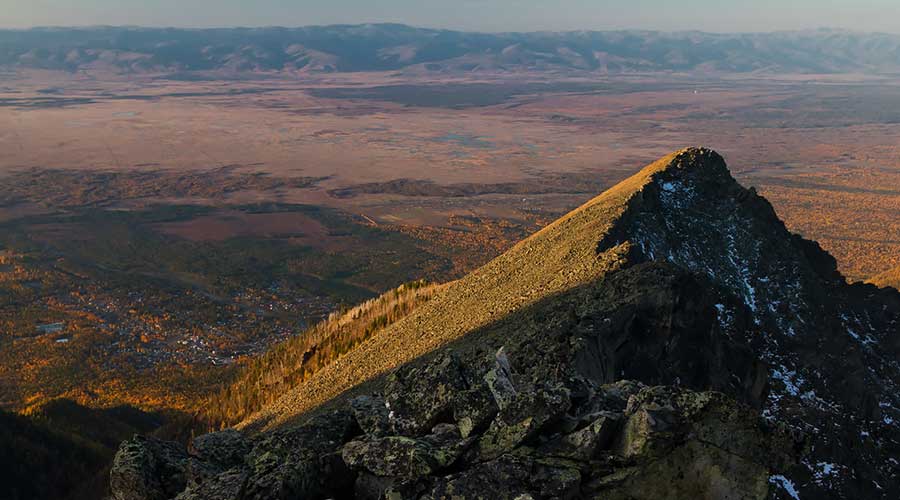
(813, 149)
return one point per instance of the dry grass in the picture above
(890, 278)
(264, 379)
(558, 258)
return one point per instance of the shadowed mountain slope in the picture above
(577, 364)
(62, 450)
(41, 462)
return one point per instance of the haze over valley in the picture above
(245, 228)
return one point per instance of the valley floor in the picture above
(156, 232)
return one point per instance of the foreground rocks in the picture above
(538, 414)
(561, 439)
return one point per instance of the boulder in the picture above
(228, 485)
(146, 468)
(474, 409)
(419, 397)
(224, 449)
(499, 380)
(585, 443)
(676, 443)
(302, 462)
(523, 418)
(407, 457)
(511, 477)
(372, 414)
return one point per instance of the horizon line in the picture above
(824, 29)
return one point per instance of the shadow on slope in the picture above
(652, 323)
(63, 450)
(525, 404)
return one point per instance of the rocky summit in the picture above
(668, 339)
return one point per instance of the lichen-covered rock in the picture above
(303, 462)
(585, 443)
(224, 449)
(683, 444)
(418, 397)
(569, 437)
(474, 409)
(146, 468)
(407, 457)
(228, 485)
(392, 456)
(617, 441)
(511, 477)
(522, 418)
(372, 487)
(372, 414)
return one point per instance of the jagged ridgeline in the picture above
(266, 378)
(668, 339)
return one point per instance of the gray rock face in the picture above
(224, 449)
(830, 348)
(552, 440)
(407, 457)
(499, 381)
(228, 485)
(148, 469)
(522, 419)
(436, 394)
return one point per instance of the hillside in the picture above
(63, 450)
(391, 47)
(265, 378)
(889, 278)
(580, 363)
(560, 257)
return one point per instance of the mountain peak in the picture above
(684, 210)
(695, 160)
(676, 277)
(699, 168)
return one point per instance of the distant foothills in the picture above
(393, 47)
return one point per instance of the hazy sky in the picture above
(480, 15)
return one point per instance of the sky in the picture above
(470, 15)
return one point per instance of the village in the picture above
(150, 325)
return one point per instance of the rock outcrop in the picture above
(668, 339)
(562, 438)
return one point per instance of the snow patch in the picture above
(789, 378)
(826, 468)
(786, 485)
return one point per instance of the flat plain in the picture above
(226, 210)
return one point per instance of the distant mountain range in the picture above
(392, 47)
